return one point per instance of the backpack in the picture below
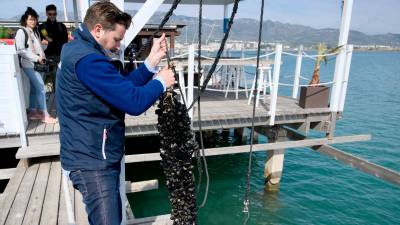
(26, 44)
(26, 37)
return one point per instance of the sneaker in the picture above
(35, 115)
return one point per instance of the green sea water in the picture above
(314, 189)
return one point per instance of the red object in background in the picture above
(7, 41)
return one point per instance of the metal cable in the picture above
(218, 56)
(246, 201)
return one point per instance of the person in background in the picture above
(92, 97)
(55, 33)
(29, 50)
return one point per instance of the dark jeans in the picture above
(100, 192)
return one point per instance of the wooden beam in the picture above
(6, 174)
(356, 162)
(161, 219)
(147, 185)
(10, 193)
(38, 151)
(256, 147)
(12, 142)
(361, 164)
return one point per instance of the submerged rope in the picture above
(246, 201)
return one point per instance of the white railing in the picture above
(191, 66)
(266, 80)
(275, 83)
(297, 72)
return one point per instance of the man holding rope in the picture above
(92, 99)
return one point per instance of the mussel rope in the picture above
(246, 201)
(202, 156)
(218, 56)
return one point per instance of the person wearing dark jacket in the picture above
(92, 98)
(55, 33)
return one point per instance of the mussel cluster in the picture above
(177, 147)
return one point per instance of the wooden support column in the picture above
(239, 133)
(274, 164)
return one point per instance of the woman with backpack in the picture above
(29, 49)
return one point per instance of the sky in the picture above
(369, 16)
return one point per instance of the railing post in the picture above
(190, 79)
(275, 83)
(349, 54)
(297, 72)
(76, 17)
(260, 86)
(122, 190)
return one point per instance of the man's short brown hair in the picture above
(107, 15)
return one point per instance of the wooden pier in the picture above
(35, 191)
(35, 195)
(217, 112)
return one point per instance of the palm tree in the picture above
(322, 52)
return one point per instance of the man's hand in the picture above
(167, 76)
(158, 51)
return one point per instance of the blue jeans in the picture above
(100, 193)
(37, 95)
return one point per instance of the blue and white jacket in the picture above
(92, 99)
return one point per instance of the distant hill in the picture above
(274, 31)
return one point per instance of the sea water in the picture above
(314, 189)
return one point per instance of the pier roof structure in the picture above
(191, 2)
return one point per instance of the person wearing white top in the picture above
(30, 52)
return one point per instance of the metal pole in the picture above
(141, 18)
(65, 10)
(68, 204)
(341, 57)
(121, 5)
(76, 19)
(349, 54)
(83, 6)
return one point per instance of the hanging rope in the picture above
(157, 32)
(246, 201)
(201, 157)
(221, 49)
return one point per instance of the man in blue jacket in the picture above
(92, 99)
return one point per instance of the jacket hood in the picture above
(82, 33)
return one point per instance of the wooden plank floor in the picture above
(216, 111)
(34, 196)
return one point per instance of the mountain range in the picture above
(273, 31)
